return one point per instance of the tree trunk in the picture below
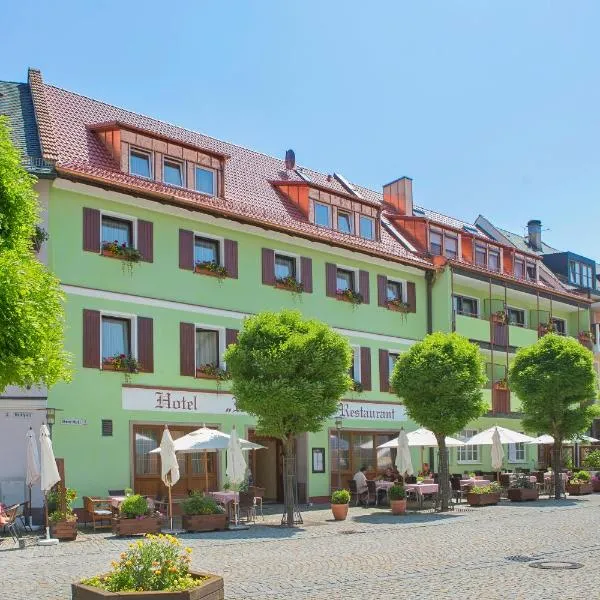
(556, 466)
(443, 472)
(289, 481)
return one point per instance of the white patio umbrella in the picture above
(49, 475)
(403, 458)
(32, 458)
(548, 439)
(169, 467)
(507, 436)
(236, 464)
(497, 451)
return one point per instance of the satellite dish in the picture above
(290, 160)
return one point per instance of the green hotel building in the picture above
(223, 232)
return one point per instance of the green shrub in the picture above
(397, 492)
(592, 460)
(134, 506)
(199, 504)
(582, 476)
(340, 497)
(54, 501)
(492, 488)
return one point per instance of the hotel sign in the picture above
(365, 411)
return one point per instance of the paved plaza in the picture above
(482, 553)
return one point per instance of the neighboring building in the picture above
(194, 208)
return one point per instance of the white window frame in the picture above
(214, 174)
(512, 453)
(150, 156)
(372, 221)
(222, 347)
(404, 285)
(453, 237)
(121, 217)
(215, 238)
(397, 354)
(356, 363)
(296, 258)
(181, 164)
(328, 207)
(497, 251)
(354, 270)
(464, 435)
(455, 305)
(439, 232)
(525, 315)
(350, 214)
(132, 330)
(522, 260)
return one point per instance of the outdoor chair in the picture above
(371, 492)
(353, 491)
(99, 509)
(11, 515)
(246, 506)
(458, 492)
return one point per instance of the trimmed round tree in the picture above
(290, 374)
(556, 383)
(439, 380)
(31, 307)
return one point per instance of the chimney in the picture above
(398, 194)
(534, 234)
(290, 160)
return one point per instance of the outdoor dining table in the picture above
(227, 498)
(116, 501)
(421, 489)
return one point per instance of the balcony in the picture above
(473, 328)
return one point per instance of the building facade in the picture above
(222, 232)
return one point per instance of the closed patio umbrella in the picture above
(403, 458)
(236, 464)
(32, 457)
(49, 475)
(169, 467)
(497, 452)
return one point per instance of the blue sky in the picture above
(491, 107)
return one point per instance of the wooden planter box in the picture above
(110, 254)
(122, 526)
(344, 298)
(395, 308)
(580, 489)
(210, 588)
(64, 530)
(483, 499)
(203, 271)
(201, 375)
(522, 494)
(204, 522)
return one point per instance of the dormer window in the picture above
(435, 243)
(367, 228)
(344, 222)
(519, 268)
(322, 215)
(139, 164)
(443, 244)
(480, 255)
(494, 259)
(206, 181)
(531, 271)
(173, 172)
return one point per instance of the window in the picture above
(139, 164)
(494, 260)
(574, 272)
(344, 280)
(516, 452)
(206, 250)
(467, 454)
(117, 230)
(207, 347)
(516, 316)
(116, 337)
(530, 271)
(394, 290)
(392, 358)
(344, 222)
(173, 172)
(435, 243)
(322, 215)
(560, 325)
(285, 266)
(586, 276)
(367, 228)
(466, 306)
(355, 366)
(519, 268)
(205, 181)
(450, 246)
(480, 255)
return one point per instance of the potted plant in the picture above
(151, 569)
(289, 283)
(501, 384)
(126, 363)
(339, 504)
(397, 496)
(522, 490)
(349, 296)
(580, 484)
(128, 255)
(397, 305)
(135, 517)
(62, 519)
(211, 371)
(212, 268)
(484, 495)
(500, 317)
(202, 513)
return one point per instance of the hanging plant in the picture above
(500, 317)
(128, 255)
(502, 384)
(586, 336)
(212, 268)
(349, 296)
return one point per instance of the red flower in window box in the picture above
(127, 254)
(349, 296)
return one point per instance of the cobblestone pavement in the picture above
(469, 553)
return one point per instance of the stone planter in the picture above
(141, 526)
(398, 506)
(64, 530)
(340, 511)
(483, 499)
(522, 494)
(210, 588)
(579, 489)
(197, 523)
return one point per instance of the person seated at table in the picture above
(361, 485)
(425, 470)
(389, 475)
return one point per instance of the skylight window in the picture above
(418, 212)
(470, 229)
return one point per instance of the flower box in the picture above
(403, 308)
(210, 587)
(138, 526)
(483, 499)
(522, 494)
(202, 375)
(205, 271)
(110, 254)
(204, 522)
(64, 530)
(579, 489)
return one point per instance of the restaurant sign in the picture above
(365, 411)
(178, 401)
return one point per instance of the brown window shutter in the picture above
(384, 371)
(306, 271)
(268, 266)
(230, 259)
(411, 297)
(145, 344)
(186, 249)
(145, 240)
(187, 349)
(363, 286)
(381, 290)
(231, 336)
(91, 338)
(91, 230)
(330, 279)
(365, 368)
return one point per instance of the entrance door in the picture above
(267, 466)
